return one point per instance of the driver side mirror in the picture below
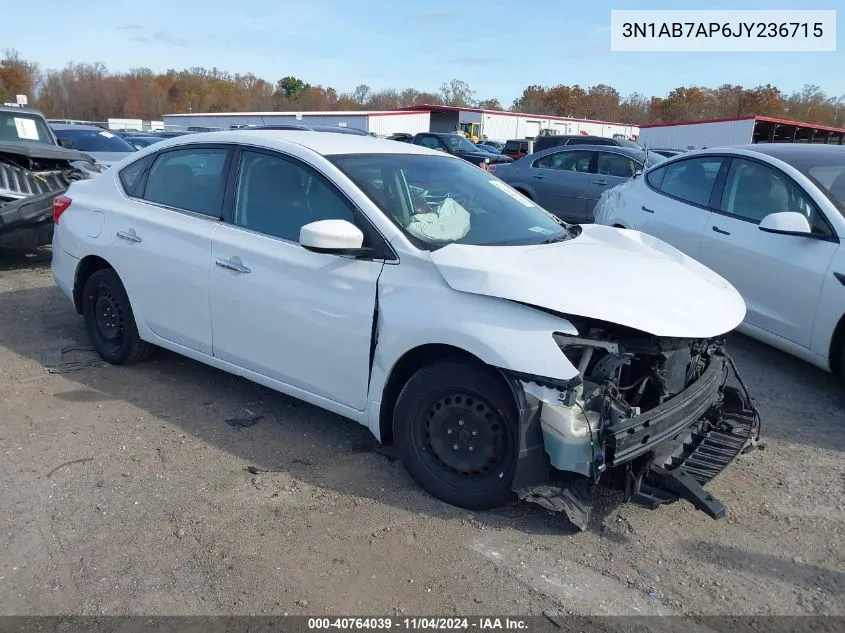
(786, 223)
(334, 237)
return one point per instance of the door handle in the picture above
(538, 176)
(228, 264)
(646, 209)
(129, 235)
(599, 182)
(718, 230)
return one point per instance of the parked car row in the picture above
(766, 217)
(459, 146)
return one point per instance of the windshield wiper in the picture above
(557, 238)
(570, 231)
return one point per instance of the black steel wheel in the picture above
(455, 431)
(109, 319)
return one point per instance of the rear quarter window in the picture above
(655, 177)
(132, 176)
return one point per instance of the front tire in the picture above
(109, 320)
(455, 429)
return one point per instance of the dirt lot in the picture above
(158, 514)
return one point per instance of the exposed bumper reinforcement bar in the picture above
(728, 429)
(666, 454)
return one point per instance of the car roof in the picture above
(568, 136)
(614, 149)
(785, 152)
(793, 151)
(77, 126)
(23, 110)
(324, 143)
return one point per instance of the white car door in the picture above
(673, 201)
(296, 316)
(161, 241)
(779, 276)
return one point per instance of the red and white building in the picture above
(736, 131)
(494, 124)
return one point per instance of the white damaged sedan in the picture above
(504, 353)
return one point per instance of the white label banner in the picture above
(723, 31)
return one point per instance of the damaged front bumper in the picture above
(659, 456)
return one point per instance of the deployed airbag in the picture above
(450, 222)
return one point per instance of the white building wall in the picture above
(699, 135)
(467, 116)
(502, 127)
(224, 121)
(125, 124)
(411, 122)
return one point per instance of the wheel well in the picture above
(836, 344)
(87, 267)
(407, 366)
(523, 192)
(618, 226)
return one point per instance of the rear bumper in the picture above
(63, 266)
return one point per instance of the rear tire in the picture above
(109, 320)
(455, 429)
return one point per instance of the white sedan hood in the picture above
(615, 275)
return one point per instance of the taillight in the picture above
(491, 168)
(60, 205)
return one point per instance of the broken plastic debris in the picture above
(250, 419)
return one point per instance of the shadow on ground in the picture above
(795, 571)
(310, 444)
(17, 259)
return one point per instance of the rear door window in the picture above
(692, 180)
(612, 164)
(431, 142)
(578, 160)
(189, 179)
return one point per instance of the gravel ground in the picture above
(124, 491)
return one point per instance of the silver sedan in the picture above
(568, 180)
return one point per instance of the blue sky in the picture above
(498, 46)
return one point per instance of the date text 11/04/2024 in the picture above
(723, 29)
(420, 623)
